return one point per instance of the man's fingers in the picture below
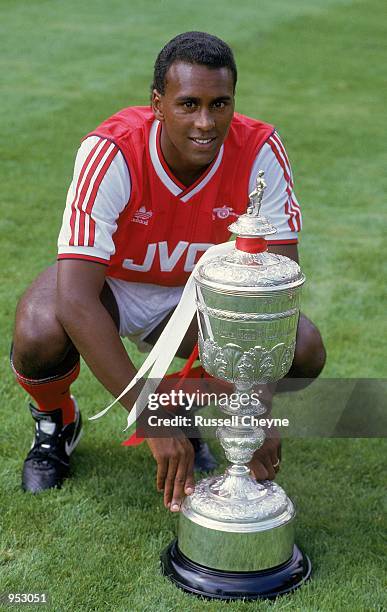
(259, 470)
(269, 455)
(170, 481)
(162, 470)
(178, 489)
(189, 486)
(265, 460)
(269, 468)
(275, 453)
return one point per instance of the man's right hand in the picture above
(175, 468)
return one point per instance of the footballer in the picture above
(153, 187)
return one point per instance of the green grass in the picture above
(316, 69)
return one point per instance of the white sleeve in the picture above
(279, 203)
(98, 193)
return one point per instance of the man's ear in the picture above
(157, 105)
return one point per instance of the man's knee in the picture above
(187, 344)
(39, 341)
(190, 339)
(310, 354)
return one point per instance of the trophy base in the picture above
(216, 584)
(248, 535)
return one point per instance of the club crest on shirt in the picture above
(223, 212)
(142, 215)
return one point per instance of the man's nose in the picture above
(204, 120)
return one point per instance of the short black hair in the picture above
(193, 48)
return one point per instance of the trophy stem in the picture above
(239, 442)
(241, 439)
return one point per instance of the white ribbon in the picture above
(161, 355)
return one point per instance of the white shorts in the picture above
(142, 306)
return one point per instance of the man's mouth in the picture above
(203, 141)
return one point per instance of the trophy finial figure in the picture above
(257, 195)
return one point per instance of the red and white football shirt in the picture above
(125, 209)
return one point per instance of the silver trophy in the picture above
(236, 535)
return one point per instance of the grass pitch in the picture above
(316, 69)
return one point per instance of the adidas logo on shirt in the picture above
(142, 216)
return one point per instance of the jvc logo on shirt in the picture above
(169, 260)
(142, 216)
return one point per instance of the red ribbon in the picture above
(251, 245)
(136, 439)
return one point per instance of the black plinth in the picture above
(216, 584)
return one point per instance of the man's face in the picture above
(196, 111)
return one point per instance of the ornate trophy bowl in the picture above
(236, 535)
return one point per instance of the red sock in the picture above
(52, 393)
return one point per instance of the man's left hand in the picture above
(266, 460)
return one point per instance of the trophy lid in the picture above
(250, 267)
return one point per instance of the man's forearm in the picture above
(93, 332)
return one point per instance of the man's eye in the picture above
(219, 104)
(189, 104)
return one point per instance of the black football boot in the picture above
(48, 462)
(204, 459)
